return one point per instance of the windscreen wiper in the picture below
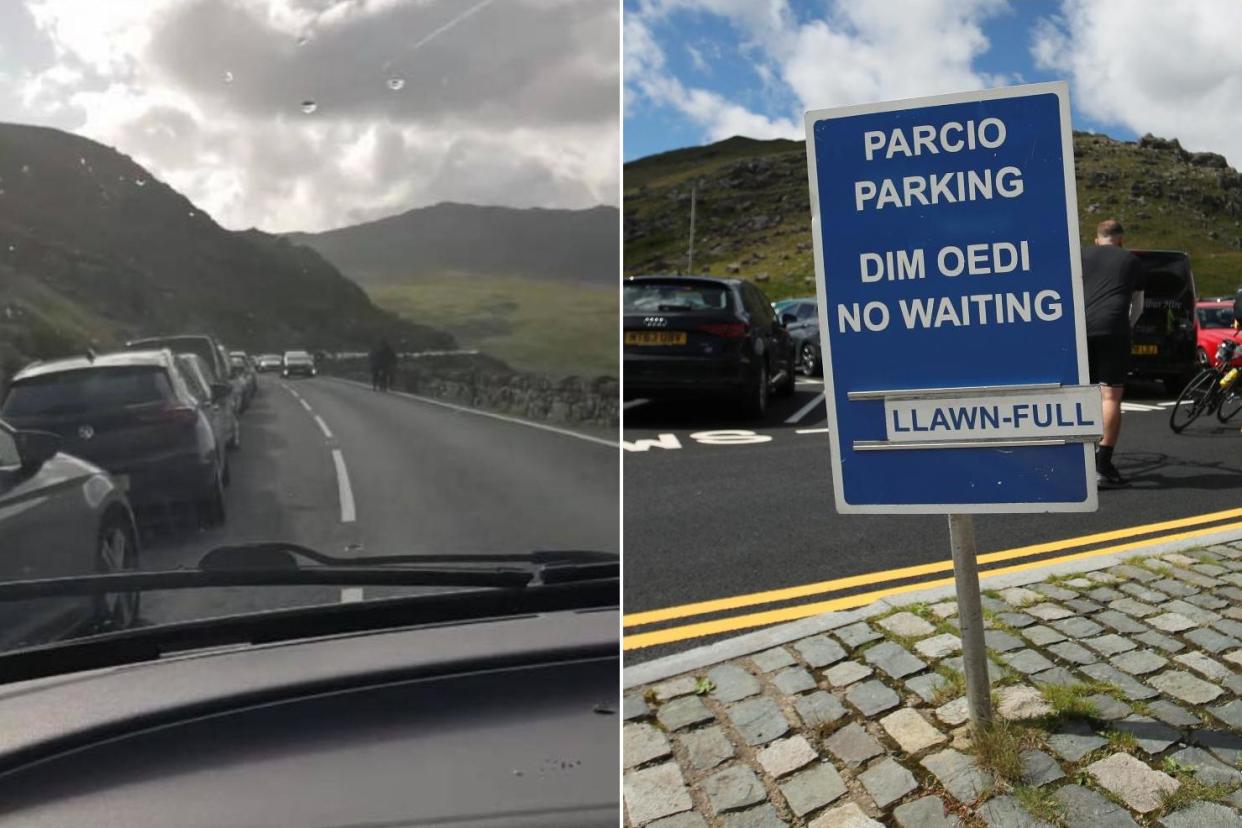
(277, 564)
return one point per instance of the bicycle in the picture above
(1213, 390)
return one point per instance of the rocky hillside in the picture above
(94, 249)
(753, 213)
(562, 245)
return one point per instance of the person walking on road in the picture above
(375, 358)
(386, 359)
(1113, 283)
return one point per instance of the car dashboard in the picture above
(509, 721)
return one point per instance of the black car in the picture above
(691, 336)
(1163, 343)
(801, 318)
(132, 414)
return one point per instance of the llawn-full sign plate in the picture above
(950, 300)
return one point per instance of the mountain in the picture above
(94, 248)
(559, 245)
(753, 213)
(536, 287)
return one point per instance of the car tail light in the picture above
(726, 330)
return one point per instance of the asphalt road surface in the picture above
(720, 508)
(335, 466)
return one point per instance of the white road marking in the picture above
(811, 431)
(804, 410)
(1129, 406)
(808, 381)
(348, 514)
(304, 403)
(590, 438)
(327, 432)
(633, 404)
(351, 595)
(1167, 403)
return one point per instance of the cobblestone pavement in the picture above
(1118, 693)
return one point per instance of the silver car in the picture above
(60, 516)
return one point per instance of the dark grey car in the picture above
(60, 517)
(801, 318)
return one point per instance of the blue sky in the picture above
(701, 70)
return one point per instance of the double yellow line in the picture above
(743, 621)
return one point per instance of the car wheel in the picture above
(116, 551)
(808, 360)
(211, 506)
(755, 402)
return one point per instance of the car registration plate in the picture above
(655, 337)
(1144, 350)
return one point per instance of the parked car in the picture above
(688, 336)
(224, 423)
(132, 414)
(242, 367)
(207, 348)
(1163, 345)
(60, 517)
(265, 363)
(801, 319)
(298, 364)
(1213, 323)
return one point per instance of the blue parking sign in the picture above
(950, 299)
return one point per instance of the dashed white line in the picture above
(351, 595)
(804, 410)
(304, 403)
(348, 514)
(327, 432)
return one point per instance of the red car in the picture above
(1213, 323)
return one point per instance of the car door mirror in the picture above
(35, 448)
(220, 391)
(788, 319)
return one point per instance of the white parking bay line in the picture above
(351, 595)
(811, 431)
(348, 515)
(633, 404)
(1129, 406)
(806, 409)
(327, 432)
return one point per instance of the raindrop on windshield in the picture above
(303, 40)
(141, 182)
(396, 84)
(82, 161)
(604, 709)
(228, 77)
(309, 106)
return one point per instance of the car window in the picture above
(1221, 317)
(672, 297)
(806, 310)
(9, 455)
(194, 379)
(86, 390)
(756, 305)
(186, 345)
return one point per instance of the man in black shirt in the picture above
(1112, 281)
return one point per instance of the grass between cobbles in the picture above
(955, 687)
(998, 748)
(1040, 803)
(1191, 789)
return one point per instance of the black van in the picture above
(1163, 346)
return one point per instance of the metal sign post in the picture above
(970, 620)
(951, 317)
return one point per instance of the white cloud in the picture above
(510, 103)
(1171, 67)
(852, 52)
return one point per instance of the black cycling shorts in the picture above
(1108, 359)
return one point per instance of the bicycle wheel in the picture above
(1229, 406)
(1196, 398)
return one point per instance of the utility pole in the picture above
(693, 195)
(970, 620)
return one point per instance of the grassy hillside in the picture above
(94, 250)
(541, 326)
(753, 213)
(534, 287)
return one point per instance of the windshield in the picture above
(409, 208)
(1215, 317)
(74, 392)
(663, 296)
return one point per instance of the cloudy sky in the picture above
(510, 102)
(701, 70)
